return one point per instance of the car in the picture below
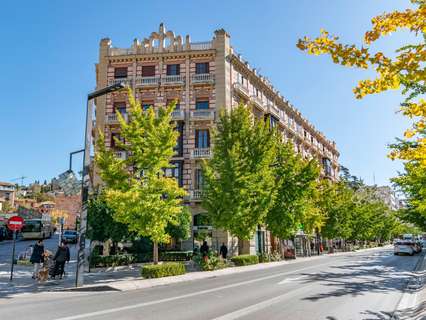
(70, 236)
(406, 247)
(424, 243)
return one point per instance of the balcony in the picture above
(125, 81)
(202, 114)
(258, 102)
(201, 45)
(202, 78)
(195, 195)
(147, 81)
(242, 90)
(272, 109)
(201, 153)
(120, 155)
(178, 115)
(173, 80)
(113, 119)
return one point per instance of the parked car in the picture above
(424, 243)
(402, 246)
(70, 236)
(418, 246)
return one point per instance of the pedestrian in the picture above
(223, 251)
(62, 255)
(204, 250)
(37, 257)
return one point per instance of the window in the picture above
(202, 104)
(326, 163)
(273, 122)
(148, 71)
(202, 138)
(178, 149)
(116, 136)
(120, 107)
(173, 69)
(201, 68)
(199, 179)
(147, 104)
(175, 172)
(120, 73)
(177, 107)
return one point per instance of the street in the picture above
(361, 285)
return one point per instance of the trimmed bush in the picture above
(162, 270)
(176, 255)
(245, 260)
(111, 261)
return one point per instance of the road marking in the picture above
(287, 280)
(193, 294)
(258, 306)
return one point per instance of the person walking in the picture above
(223, 251)
(62, 255)
(37, 257)
(204, 250)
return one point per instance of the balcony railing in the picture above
(120, 155)
(240, 88)
(274, 110)
(125, 81)
(202, 78)
(113, 119)
(195, 195)
(202, 115)
(201, 153)
(174, 79)
(147, 81)
(201, 45)
(258, 102)
(178, 115)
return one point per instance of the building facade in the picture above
(7, 194)
(202, 77)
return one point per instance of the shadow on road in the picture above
(371, 273)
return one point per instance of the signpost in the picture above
(15, 224)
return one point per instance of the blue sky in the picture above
(49, 50)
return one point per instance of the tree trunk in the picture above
(155, 252)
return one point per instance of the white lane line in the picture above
(287, 280)
(258, 306)
(193, 294)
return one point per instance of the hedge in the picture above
(176, 256)
(111, 261)
(245, 259)
(162, 270)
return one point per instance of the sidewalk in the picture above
(125, 278)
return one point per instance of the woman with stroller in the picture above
(62, 255)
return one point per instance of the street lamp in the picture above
(81, 259)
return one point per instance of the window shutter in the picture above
(120, 72)
(148, 71)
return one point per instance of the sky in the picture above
(49, 49)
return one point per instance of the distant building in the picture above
(389, 197)
(7, 194)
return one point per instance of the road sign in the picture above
(15, 223)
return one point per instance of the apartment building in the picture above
(202, 77)
(7, 194)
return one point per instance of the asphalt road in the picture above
(364, 285)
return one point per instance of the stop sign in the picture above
(15, 223)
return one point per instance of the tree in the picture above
(406, 70)
(101, 223)
(239, 179)
(136, 188)
(182, 230)
(295, 183)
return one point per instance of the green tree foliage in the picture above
(181, 230)
(101, 223)
(141, 196)
(239, 179)
(295, 186)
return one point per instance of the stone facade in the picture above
(202, 77)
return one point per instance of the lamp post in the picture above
(81, 258)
